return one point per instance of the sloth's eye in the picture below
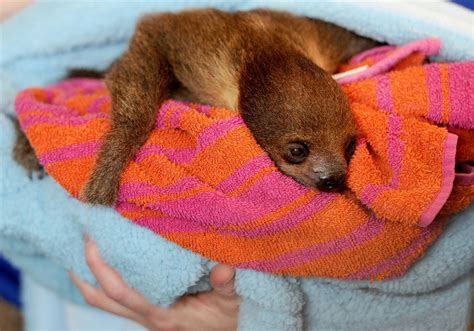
(297, 152)
(350, 148)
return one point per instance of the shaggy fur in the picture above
(272, 67)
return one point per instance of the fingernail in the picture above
(230, 280)
(86, 238)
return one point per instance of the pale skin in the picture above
(213, 310)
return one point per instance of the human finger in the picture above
(97, 298)
(222, 280)
(113, 285)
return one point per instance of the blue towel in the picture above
(41, 227)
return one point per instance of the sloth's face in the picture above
(301, 117)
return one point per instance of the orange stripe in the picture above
(428, 159)
(80, 103)
(225, 155)
(363, 92)
(368, 118)
(23, 116)
(360, 256)
(48, 137)
(167, 116)
(142, 212)
(443, 70)
(171, 138)
(220, 113)
(409, 92)
(37, 93)
(71, 174)
(164, 171)
(248, 183)
(152, 198)
(320, 228)
(274, 215)
(436, 229)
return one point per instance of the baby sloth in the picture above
(272, 67)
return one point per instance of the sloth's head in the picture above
(301, 117)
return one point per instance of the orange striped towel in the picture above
(202, 181)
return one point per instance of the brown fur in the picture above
(24, 154)
(270, 66)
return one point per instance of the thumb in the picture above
(222, 280)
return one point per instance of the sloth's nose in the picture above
(330, 183)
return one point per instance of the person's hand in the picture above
(214, 310)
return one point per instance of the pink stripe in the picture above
(380, 57)
(64, 120)
(370, 192)
(284, 190)
(179, 156)
(461, 95)
(216, 208)
(395, 148)
(95, 105)
(50, 94)
(377, 51)
(176, 108)
(69, 152)
(67, 89)
(380, 267)
(135, 189)
(428, 46)
(433, 82)
(447, 179)
(394, 144)
(25, 103)
(176, 116)
(122, 206)
(201, 206)
(210, 134)
(85, 85)
(160, 224)
(163, 109)
(243, 173)
(200, 108)
(383, 94)
(211, 208)
(205, 138)
(288, 221)
(363, 233)
(203, 109)
(169, 224)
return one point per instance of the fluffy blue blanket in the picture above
(41, 227)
